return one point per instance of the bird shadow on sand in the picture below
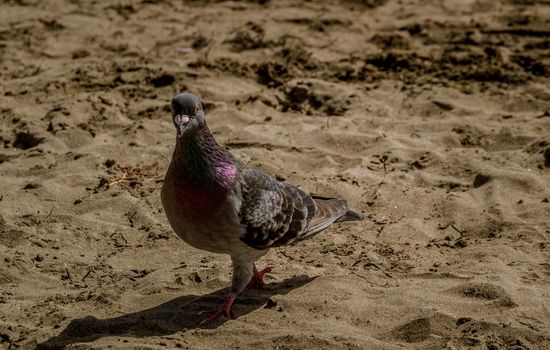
(179, 314)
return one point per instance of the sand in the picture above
(430, 117)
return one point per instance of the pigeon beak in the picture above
(182, 122)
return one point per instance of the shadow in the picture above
(179, 314)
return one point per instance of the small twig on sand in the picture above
(378, 267)
(135, 172)
(360, 276)
(68, 274)
(529, 325)
(368, 263)
(380, 231)
(329, 44)
(87, 274)
(357, 262)
(50, 214)
(208, 49)
(375, 192)
(286, 255)
(457, 230)
(117, 243)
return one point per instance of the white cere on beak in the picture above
(181, 119)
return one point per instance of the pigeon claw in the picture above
(257, 279)
(224, 309)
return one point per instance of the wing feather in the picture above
(275, 213)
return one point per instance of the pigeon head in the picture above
(187, 113)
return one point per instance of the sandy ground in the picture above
(431, 117)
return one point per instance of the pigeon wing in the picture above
(275, 213)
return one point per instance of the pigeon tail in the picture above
(329, 211)
(338, 209)
(350, 215)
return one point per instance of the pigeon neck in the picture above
(202, 162)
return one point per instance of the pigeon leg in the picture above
(224, 309)
(257, 279)
(242, 274)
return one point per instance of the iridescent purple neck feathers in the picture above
(199, 161)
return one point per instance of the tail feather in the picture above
(329, 211)
(351, 215)
(345, 213)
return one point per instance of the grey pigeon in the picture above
(216, 203)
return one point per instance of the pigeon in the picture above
(216, 203)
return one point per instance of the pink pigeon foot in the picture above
(224, 309)
(257, 279)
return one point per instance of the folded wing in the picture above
(275, 213)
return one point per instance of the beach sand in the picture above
(430, 117)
